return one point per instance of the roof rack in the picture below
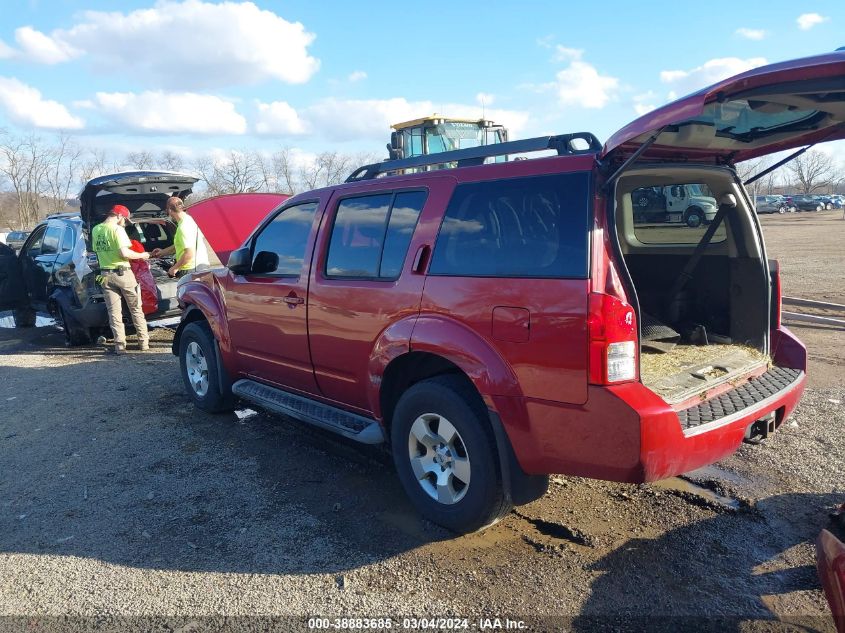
(563, 144)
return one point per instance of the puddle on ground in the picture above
(691, 491)
(706, 473)
(41, 320)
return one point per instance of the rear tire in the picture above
(445, 455)
(74, 335)
(200, 373)
(24, 317)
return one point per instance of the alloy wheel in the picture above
(439, 458)
(197, 368)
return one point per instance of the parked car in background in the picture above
(805, 202)
(15, 239)
(58, 273)
(769, 204)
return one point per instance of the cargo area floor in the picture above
(689, 370)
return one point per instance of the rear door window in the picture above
(286, 237)
(676, 214)
(371, 234)
(536, 226)
(67, 240)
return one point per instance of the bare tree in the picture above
(171, 161)
(141, 160)
(284, 171)
(94, 165)
(24, 162)
(238, 172)
(63, 164)
(812, 170)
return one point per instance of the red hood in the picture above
(761, 111)
(228, 220)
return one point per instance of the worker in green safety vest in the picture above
(113, 250)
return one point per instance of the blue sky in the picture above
(197, 77)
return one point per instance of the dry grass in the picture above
(654, 366)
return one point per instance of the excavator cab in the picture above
(435, 134)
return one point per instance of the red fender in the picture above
(464, 347)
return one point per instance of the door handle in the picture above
(293, 300)
(421, 259)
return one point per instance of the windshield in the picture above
(700, 190)
(450, 135)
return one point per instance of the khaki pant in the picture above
(114, 287)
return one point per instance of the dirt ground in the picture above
(120, 502)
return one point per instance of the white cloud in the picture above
(564, 54)
(37, 47)
(6, 51)
(688, 81)
(278, 118)
(156, 111)
(358, 75)
(24, 105)
(346, 120)
(580, 84)
(184, 45)
(644, 103)
(806, 21)
(751, 34)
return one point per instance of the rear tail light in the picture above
(613, 340)
(777, 298)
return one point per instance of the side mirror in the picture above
(240, 261)
(265, 262)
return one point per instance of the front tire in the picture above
(445, 455)
(200, 373)
(694, 218)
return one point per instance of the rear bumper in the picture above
(628, 433)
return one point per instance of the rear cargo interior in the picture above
(713, 330)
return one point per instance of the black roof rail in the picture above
(562, 144)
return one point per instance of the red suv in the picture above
(494, 323)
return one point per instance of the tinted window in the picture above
(371, 234)
(67, 240)
(400, 229)
(357, 236)
(287, 237)
(51, 240)
(522, 227)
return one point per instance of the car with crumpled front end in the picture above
(59, 270)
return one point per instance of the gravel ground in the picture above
(119, 499)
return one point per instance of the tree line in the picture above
(39, 175)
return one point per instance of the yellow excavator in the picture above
(434, 134)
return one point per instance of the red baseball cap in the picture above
(120, 210)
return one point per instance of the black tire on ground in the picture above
(782, 209)
(75, 335)
(694, 217)
(24, 317)
(196, 350)
(454, 399)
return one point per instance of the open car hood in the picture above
(228, 220)
(761, 111)
(100, 193)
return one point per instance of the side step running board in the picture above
(325, 416)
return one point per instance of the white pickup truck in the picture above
(689, 204)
